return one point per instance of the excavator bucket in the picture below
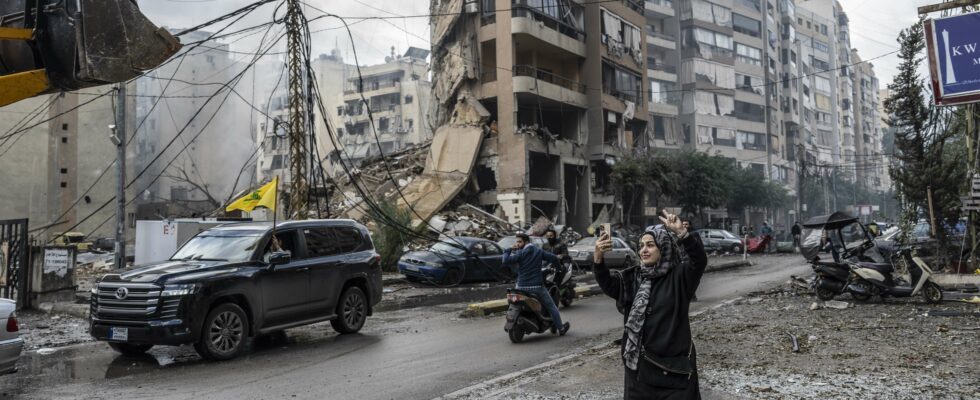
(77, 44)
(116, 42)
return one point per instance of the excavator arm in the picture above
(48, 46)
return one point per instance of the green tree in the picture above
(750, 189)
(703, 181)
(389, 233)
(928, 143)
(633, 176)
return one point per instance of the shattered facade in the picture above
(397, 93)
(563, 85)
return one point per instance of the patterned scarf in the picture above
(669, 257)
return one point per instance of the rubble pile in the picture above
(90, 267)
(468, 220)
(372, 175)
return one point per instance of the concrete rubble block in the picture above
(837, 304)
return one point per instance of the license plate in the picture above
(412, 268)
(119, 334)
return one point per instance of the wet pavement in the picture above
(420, 352)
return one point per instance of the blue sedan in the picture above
(456, 260)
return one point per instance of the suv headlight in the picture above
(178, 290)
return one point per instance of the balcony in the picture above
(663, 8)
(525, 11)
(660, 71)
(371, 89)
(529, 79)
(662, 40)
(635, 5)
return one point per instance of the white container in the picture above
(159, 240)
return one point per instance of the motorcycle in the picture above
(830, 234)
(558, 281)
(525, 315)
(871, 279)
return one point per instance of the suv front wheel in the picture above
(351, 311)
(225, 333)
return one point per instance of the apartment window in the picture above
(408, 99)
(822, 84)
(708, 103)
(823, 29)
(748, 54)
(716, 135)
(340, 111)
(662, 92)
(749, 112)
(620, 83)
(707, 11)
(64, 170)
(750, 4)
(383, 124)
(746, 25)
(700, 70)
(621, 32)
(821, 46)
(64, 127)
(659, 131)
(708, 41)
(751, 141)
(276, 162)
(749, 83)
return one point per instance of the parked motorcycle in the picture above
(841, 238)
(876, 279)
(525, 315)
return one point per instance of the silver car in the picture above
(620, 256)
(720, 240)
(10, 342)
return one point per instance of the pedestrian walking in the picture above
(657, 350)
(797, 231)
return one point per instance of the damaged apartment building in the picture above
(571, 87)
(562, 84)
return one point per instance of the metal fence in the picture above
(14, 261)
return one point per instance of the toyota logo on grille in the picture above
(121, 293)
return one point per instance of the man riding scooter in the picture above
(529, 277)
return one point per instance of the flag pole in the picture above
(275, 206)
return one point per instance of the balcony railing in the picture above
(662, 35)
(371, 87)
(525, 11)
(545, 76)
(635, 5)
(662, 3)
(652, 64)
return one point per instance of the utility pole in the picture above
(299, 190)
(769, 89)
(801, 181)
(119, 139)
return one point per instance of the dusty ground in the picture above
(896, 350)
(41, 330)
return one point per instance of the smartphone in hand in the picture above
(607, 229)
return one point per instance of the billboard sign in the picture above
(954, 58)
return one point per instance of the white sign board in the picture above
(56, 261)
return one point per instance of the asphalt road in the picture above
(409, 354)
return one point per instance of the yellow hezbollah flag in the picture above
(264, 196)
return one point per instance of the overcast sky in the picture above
(874, 25)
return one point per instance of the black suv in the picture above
(231, 283)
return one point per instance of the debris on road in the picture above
(837, 304)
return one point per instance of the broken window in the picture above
(706, 11)
(748, 54)
(716, 135)
(708, 42)
(703, 102)
(383, 124)
(749, 83)
(746, 25)
(663, 92)
(699, 70)
(276, 162)
(751, 141)
(749, 112)
(620, 83)
(617, 33)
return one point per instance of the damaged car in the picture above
(456, 260)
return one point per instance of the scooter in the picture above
(558, 281)
(831, 278)
(875, 279)
(525, 315)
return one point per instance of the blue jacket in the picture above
(529, 264)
